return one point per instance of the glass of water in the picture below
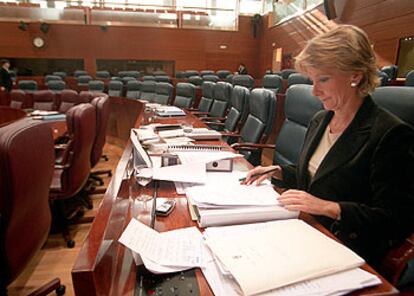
(143, 176)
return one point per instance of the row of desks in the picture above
(105, 267)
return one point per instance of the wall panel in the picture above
(190, 49)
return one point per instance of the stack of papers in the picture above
(203, 134)
(169, 111)
(169, 251)
(288, 258)
(215, 205)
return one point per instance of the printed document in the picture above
(164, 248)
(286, 252)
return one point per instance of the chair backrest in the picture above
(195, 80)
(185, 95)
(163, 78)
(68, 99)
(17, 99)
(148, 78)
(103, 74)
(148, 90)
(211, 77)
(101, 105)
(409, 78)
(25, 177)
(399, 100)
(60, 74)
(44, 100)
(86, 96)
(391, 70)
(238, 110)
(207, 96)
(206, 72)
(133, 89)
(259, 121)
(115, 88)
(243, 80)
(81, 125)
(190, 73)
(163, 93)
(222, 74)
(229, 78)
(180, 74)
(285, 73)
(133, 73)
(96, 85)
(52, 77)
(298, 78)
(272, 82)
(27, 85)
(78, 73)
(56, 85)
(84, 79)
(126, 79)
(384, 78)
(222, 95)
(300, 107)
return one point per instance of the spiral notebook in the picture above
(193, 148)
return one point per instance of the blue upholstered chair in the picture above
(185, 95)
(243, 80)
(163, 93)
(148, 90)
(398, 265)
(298, 78)
(133, 89)
(115, 88)
(272, 82)
(96, 86)
(409, 78)
(258, 124)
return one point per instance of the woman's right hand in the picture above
(255, 175)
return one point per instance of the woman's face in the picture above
(333, 87)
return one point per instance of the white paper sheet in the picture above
(168, 248)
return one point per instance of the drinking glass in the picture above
(143, 176)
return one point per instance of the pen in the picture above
(260, 174)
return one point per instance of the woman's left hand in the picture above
(298, 200)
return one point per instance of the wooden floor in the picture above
(55, 259)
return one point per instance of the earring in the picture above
(354, 84)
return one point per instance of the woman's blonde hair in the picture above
(345, 48)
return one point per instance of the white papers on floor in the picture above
(167, 251)
(282, 253)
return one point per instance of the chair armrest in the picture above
(214, 123)
(199, 113)
(213, 118)
(396, 260)
(252, 146)
(230, 134)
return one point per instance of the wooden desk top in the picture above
(105, 267)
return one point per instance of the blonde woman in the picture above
(355, 171)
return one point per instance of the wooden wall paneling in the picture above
(189, 48)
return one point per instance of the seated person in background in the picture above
(242, 70)
(6, 82)
(355, 171)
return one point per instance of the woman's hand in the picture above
(298, 200)
(255, 175)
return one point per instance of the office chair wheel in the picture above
(61, 290)
(70, 243)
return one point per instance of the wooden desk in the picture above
(8, 115)
(105, 267)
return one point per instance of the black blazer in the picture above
(5, 79)
(369, 172)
